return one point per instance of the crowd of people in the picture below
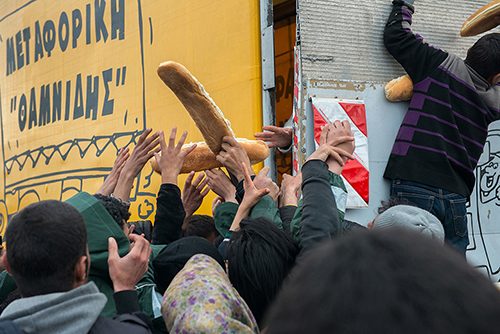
(274, 259)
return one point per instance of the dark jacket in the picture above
(169, 216)
(320, 219)
(444, 131)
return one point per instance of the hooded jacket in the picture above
(74, 311)
(100, 226)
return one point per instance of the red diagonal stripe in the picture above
(357, 113)
(319, 122)
(357, 176)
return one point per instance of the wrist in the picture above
(169, 177)
(117, 287)
(247, 205)
(335, 167)
(238, 176)
(127, 174)
(289, 199)
(229, 197)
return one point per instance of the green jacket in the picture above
(100, 226)
(265, 208)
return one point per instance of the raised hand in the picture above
(194, 192)
(252, 197)
(142, 152)
(126, 271)
(275, 136)
(232, 156)
(263, 181)
(111, 180)
(326, 151)
(338, 134)
(290, 189)
(220, 184)
(172, 157)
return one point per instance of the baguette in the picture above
(200, 106)
(202, 158)
(484, 19)
(399, 89)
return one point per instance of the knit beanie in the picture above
(411, 218)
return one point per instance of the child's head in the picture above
(484, 57)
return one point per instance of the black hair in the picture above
(117, 209)
(200, 226)
(260, 256)
(484, 56)
(45, 240)
(374, 282)
(393, 201)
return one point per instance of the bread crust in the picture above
(484, 19)
(200, 106)
(399, 89)
(202, 158)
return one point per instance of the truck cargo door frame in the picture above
(267, 68)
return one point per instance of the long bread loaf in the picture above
(484, 19)
(200, 106)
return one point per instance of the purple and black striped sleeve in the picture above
(417, 57)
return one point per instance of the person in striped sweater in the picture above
(445, 128)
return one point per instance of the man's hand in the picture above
(142, 152)
(339, 131)
(111, 180)
(172, 156)
(275, 136)
(232, 156)
(252, 197)
(339, 134)
(126, 271)
(263, 181)
(290, 189)
(252, 193)
(221, 185)
(194, 192)
(326, 151)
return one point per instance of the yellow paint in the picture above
(218, 41)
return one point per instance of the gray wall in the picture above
(342, 40)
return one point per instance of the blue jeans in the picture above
(448, 207)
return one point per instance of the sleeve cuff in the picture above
(407, 3)
(314, 168)
(285, 149)
(170, 187)
(126, 302)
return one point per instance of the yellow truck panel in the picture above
(78, 81)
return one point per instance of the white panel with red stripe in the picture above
(356, 173)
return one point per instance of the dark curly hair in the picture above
(117, 209)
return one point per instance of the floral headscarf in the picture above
(201, 299)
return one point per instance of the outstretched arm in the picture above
(170, 212)
(416, 56)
